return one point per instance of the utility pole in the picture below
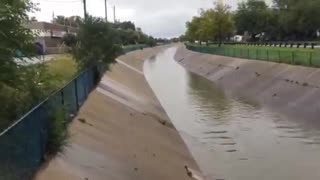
(53, 16)
(114, 14)
(106, 9)
(85, 9)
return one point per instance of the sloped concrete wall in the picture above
(291, 90)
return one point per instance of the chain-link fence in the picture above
(298, 57)
(24, 144)
(130, 48)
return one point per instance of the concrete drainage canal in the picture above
(230, 138)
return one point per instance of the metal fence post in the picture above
(292, 59)
(84, 84)
(76, 92)
(310, 59)
(62, 97)
(248, 54)
(267, 55)
(257, 54)
(279, 56)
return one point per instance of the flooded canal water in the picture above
(229, 138)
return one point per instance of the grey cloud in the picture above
(165, 18)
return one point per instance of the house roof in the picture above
(50, 26)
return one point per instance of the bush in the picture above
(97, 43)
(70, 39)
(58, 131)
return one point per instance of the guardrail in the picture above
(296, 57)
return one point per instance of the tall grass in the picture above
(58, 131)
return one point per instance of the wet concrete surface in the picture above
(232, 138)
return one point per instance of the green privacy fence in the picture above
(306, 58)
(24, 144)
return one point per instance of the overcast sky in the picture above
(159, 18)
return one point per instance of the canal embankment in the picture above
(122, 132)
(289, 89)
(230, 136)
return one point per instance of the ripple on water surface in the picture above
(230, 138)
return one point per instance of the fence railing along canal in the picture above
(286, 55)
(23, 145)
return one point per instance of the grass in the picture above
(63, 68)
(133, 47)
(58, 132)
(297, 56)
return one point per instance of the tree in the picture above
(126, 25)
(33, 19)
(286, 20)
(97, 43)
(70, 40)
(298, 19)
(193, 29)
(60, 20)
(14, 37)
(128, 36)
(73, 21)
(212, 24)
(19, 85)
(252, 16)
(151, 41)
(223, 21)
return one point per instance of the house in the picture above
(50, 35)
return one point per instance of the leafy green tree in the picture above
(97, 43)
(223, 22)
(73, 21)
(70, 39)
(193, 32)
(212, 24)
(21, 86)
(60, 20)
(128, 36)
(125, 25)
(13, 37)
(150, 41)
(33, 19)
(252, 16)
(298, 20)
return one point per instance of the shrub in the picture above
(58, 131)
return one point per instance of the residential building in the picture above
(50, 35)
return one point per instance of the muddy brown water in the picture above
(230, 138)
